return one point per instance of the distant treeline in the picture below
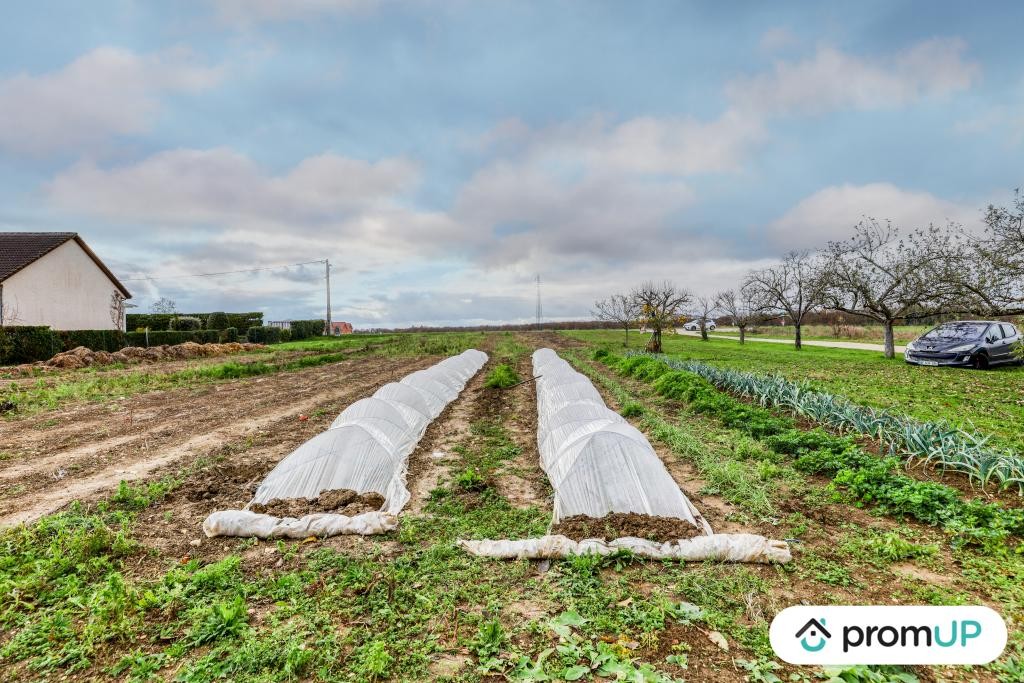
(556, 325)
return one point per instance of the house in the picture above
(338, 328)
(55, 279)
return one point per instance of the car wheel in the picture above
(980, 361)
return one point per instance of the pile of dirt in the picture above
(81, 357)
(338, 501)
(621, 524)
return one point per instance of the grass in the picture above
(990, 402)
(855, 332)
(502, 376)
(86, 385)
(394, 344)
(82, 596)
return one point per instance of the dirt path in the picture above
(84, 451)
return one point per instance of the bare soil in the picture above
(338, 501)
(83, 451)
(622, 524)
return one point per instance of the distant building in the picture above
(55, 279)
(339, 328)
(283, 324)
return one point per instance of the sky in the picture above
(441, 155)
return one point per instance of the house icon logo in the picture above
(815, 631)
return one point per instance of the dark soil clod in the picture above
(620, 524)
(339, 501)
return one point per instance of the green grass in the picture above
(990, 402)
(502, 376)
(394, 344)
(871, 334)
(46, 394)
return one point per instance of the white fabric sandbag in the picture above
(245, 523)
(721, 547)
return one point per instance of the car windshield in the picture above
(957, 331)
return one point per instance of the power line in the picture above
(226, 272)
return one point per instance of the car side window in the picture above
(994, 333)
(1008, 330)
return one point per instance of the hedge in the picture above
(97, 340)
(162, 321)
(161, 337)
(28, 344)
(263, 335)
(304, 329)
(217, 321)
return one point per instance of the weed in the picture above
(501, 377)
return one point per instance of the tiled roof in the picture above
(20, 249)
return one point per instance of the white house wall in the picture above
(64, 289)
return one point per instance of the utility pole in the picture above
(540, 311)
(327, 277)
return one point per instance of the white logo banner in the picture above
(836, 635)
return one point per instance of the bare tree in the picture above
(705, 306)
(660, 306)
(741, 307)
(879, 275)
(117, 309)
(793, 288)
(164, 305)
(620, 309)
(989, 269)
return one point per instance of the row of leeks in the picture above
(936, 443)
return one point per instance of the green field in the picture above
(124, 586)
(989, 402)
(858, 333)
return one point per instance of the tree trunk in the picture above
(654, 345)
(743, 334)
(796, 336)
(890, 345)
(704, 332)
(626, 343)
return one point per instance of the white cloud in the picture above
(104, 93)
(777, 39)
(646, 144)
(222, 187)
(832, 212)
(592, 189)
(833, 80)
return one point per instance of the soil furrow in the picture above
(218, 416)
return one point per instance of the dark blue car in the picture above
(970, 343)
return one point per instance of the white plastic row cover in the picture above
(596, 461)
(367, 447)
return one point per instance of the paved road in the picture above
(863, 346)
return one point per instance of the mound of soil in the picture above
(338, 501)
(620, 524)
(81, 357)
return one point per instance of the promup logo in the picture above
(831, 635)
(816, 630)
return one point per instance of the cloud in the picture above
(832, 212)
(104, 93)
(645, 144)
(220, 187)
(833, 80)
(777, 39)
(594, 188)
